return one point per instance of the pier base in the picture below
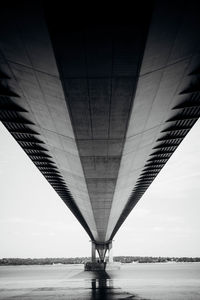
(101, 266)
(95, 266)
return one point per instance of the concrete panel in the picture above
(99, 93)
(93, 147)
(99, 53)
(100, 167)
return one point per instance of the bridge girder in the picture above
(100, 108)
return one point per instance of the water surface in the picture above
(133, 281)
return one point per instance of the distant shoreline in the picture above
(83, 260)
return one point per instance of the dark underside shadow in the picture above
(102, 287)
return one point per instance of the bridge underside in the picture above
(100, 107)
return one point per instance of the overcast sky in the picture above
(34, 222)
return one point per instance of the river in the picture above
(133, 281)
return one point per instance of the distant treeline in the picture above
(151, 259)
(82, 260)
(43, 261)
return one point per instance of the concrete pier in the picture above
(95, 266)
(101, 264)
(110, 253)
(93, 254)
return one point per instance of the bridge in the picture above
(99, 105)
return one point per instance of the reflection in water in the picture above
(102, 288)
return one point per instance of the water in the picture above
(132, 281)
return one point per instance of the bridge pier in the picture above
(102, 249)
(99, 264)
(93, 254)
(110, 253)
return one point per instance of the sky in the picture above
(35, 222)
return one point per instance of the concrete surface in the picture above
(102, 99)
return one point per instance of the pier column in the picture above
(101, 248)
(93, 254)
(110, 254)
